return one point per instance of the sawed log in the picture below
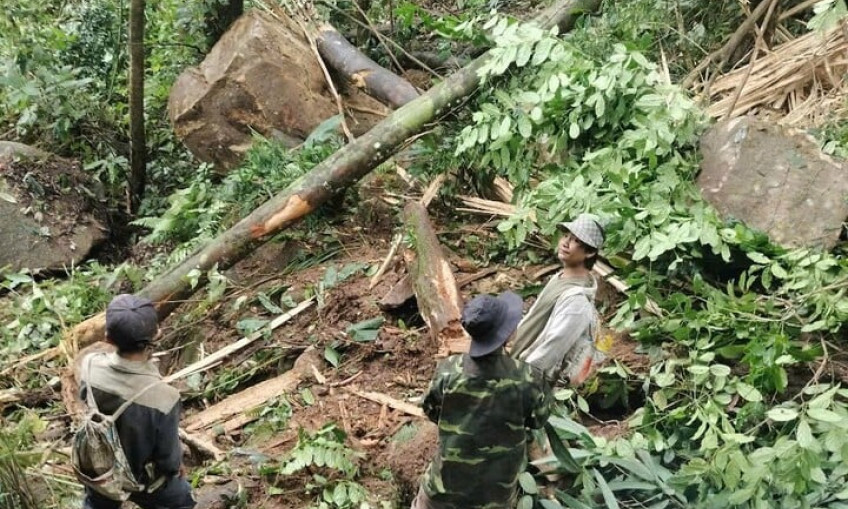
(340, 170)
(361, 71)
(235, 411)
(436, 291)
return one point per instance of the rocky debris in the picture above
(262, 76)
(51, 219)
(776, 180)
(10, 150)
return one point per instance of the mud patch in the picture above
(409, 452)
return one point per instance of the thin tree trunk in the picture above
(138, 164)
(343, 168)
(435, 287)
(361, 71)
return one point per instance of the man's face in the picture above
(570, 251)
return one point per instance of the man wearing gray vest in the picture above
(149, 427)
(557, 336)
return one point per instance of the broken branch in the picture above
(389, 401)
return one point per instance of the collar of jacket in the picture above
(122, 365)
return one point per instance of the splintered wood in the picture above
(801, 81)
(433, 281)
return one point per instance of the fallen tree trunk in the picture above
(435, 287)
(364, 73)
(344, 167)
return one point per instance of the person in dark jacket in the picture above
(484, 403)
(149, 428)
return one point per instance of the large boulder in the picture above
(776, 180)
(261, 76)
(50, 218)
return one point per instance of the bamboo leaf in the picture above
(566, 460)
(606, 492)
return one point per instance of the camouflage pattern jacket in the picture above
(483, 408)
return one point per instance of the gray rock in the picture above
(10, 150)
(776, 180)
(49, 221)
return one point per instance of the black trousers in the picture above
(174, 494)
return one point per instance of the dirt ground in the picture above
(399, 363)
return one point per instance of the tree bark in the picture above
(138, 163)
(343, 168)
(361, 71)
(435, 287)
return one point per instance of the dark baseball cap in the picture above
(131, 322)
(491, 321)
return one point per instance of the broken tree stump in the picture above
(435, 287)
(402, 292)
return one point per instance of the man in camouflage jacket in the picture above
(484, 402)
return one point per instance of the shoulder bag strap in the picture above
(89, 390)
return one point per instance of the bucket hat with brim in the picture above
(491, 321)
(586, 227)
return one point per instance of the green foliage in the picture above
(682, 31)
(334, 467)
(577, 130)
(275, 416)
(16, 490)
(36, 312)
(326, 448)
(366, 330)
(63, 74)
(827, 14)
(688, 451)
(612, 136)
(205, 208)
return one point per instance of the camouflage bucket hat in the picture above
(586, 227)
(491, 321)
